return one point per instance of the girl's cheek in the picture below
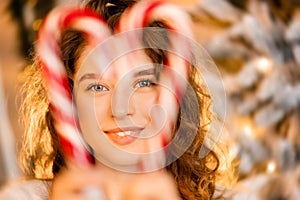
(102, 108)
(144, 104)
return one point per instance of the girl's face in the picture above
(119, 111)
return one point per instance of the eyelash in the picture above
(93, 89)
(149, 83)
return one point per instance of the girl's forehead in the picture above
(133, 61)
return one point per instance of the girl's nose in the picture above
(122, 103)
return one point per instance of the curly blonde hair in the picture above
(41, 156)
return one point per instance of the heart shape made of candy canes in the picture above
(130, 29)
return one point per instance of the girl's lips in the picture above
(123, 136)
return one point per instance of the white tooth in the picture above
(122, 134)
(128, 133)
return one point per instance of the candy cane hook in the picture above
(95, 30)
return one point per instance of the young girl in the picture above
(113, 106)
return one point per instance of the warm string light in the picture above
(271, 167)
(248, 130)
(264, 65)
(247, 127)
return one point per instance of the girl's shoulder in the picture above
(25, 190)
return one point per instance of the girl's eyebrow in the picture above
(144, 72)
(136, 74)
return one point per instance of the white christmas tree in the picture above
(259, 56)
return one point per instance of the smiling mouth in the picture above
(123, 136)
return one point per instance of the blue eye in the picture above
(97, 88)
(144, 83)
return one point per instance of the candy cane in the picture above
(178, 22)
(179, 53)
(95, 30)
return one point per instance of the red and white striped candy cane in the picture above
(95, 29)
(178, 23)
(179, 53)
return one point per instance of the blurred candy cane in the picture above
(95, 29)
(179, 52)
(174, 75)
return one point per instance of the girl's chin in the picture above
(129, 165)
